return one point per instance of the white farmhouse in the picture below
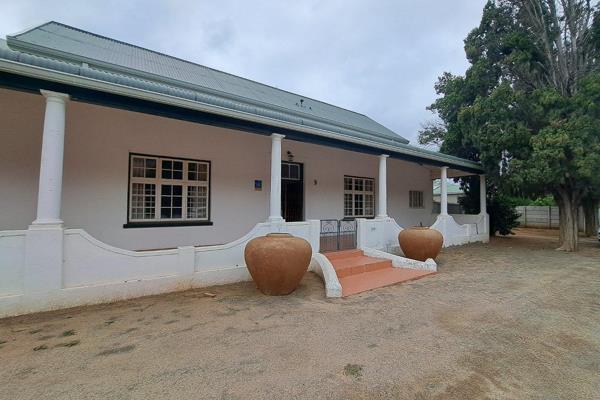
(126, 172)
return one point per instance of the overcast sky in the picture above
(380, 58)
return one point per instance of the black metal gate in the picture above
(338, 234)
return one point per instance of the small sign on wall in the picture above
(258, 185)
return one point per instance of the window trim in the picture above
(346, 217)
(156, 223)
(422, 199)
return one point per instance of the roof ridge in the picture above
(202, 66)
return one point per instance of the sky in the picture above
(380, 58)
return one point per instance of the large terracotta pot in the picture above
(277, 262)
(420, 243)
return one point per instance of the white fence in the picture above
(83, 270)
(543, 217)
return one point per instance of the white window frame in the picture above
(158, 181)
(416, 197)
(353, 192)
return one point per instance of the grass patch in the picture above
(353, 370)
(70, 332)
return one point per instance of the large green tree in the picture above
(528, 107)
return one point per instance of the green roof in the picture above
(71, 51)
(452, 187)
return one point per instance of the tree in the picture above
(590, 212)
(503, 216)
(528, 106)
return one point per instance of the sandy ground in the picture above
(514, 319)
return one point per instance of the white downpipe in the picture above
(382, 193)
(444, 191)
(275, 200)
(51, 164)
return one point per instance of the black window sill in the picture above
(163, 224)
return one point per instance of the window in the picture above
(290, 171)
(168, 189)
(415, 199)
(359, 197)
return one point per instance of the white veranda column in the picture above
(482, 195)
(444, 191)
(51, 164)
(275, 201)
(382, 192)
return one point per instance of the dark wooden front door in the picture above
(292, 191)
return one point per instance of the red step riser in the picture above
(361, 269)
(339, 255)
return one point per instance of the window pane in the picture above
(167, 169)
(150, 168)
(369, 205)
(170, 206)
(368, 185)
(294, 171)
(347, 183)
(198, 171)
(358, 205)
(358, 184)
(197, 202)
(347, 205)
(285, 171)
(178, 170)
(143, 200)
(138, 167)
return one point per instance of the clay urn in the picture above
(420, 242)
(277, 262)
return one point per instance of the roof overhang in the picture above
(18, 75)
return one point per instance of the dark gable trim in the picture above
(34, 85)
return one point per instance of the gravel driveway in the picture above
(513, 319)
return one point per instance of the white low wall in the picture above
(459, 229)
(94, 272)
(12, 259)
(382, 233)
(378, 233)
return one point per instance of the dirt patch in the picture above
(510, 319)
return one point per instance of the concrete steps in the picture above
(358, 273)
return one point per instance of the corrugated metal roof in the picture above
(69, 43)
(46, 47)
(452, 187)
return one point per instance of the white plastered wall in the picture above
(97, 145)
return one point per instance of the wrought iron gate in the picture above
(338, 234)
